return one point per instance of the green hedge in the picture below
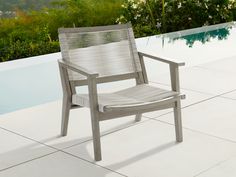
(35, 32)
(159, 16)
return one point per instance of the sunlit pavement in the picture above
(31, 145)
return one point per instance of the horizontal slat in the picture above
(78, 69)
(165, 60)
(135, 110)
(108, 59)
(136, 96)
(106, 50)
(106, 79)
(94, 29)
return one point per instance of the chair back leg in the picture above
(178, 121)
(66, 105)
(138, 117)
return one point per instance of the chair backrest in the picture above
(107, 50)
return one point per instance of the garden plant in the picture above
(34, 32)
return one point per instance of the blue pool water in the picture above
(193, 46)
(29, 86)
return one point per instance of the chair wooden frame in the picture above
(96, 116)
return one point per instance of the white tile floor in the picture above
(31, 146)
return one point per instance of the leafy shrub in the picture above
(159, 16)
(35, 32)
(20, 38)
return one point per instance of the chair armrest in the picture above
(165, 60)
(76, 68)
(173, 66)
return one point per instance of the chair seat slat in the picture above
(138, 95)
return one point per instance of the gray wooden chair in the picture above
(93, 55)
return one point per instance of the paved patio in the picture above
(31, 145)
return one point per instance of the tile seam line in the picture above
(57, 149)
(209, 135)
(28, 161)
(198, 102)
(213, 61)
(23, 136)
(210, 98)
(197, 131)
(212, 167)
(40, 157)
(188, 89)
(109, 133)
(93, 163)
(215, 70)
(60, 150)
(206, 93)
(234, 99)
(154, 118)
(220, 95)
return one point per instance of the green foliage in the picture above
(35, 32)
(23, 37)
(159, 16)
(142, 16)
(8, 5)
(203, 37)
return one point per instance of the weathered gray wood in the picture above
(92, 87)
(174, 76)
(109, 54)
(76, 68)
(139, 79)
(175, 85)
(106, 79)
(178, 121)
(138, 117)
(143, 107)
(73, 88)
(144, 72)
(165, 60)
(116, 114)
(142, 78)
(105, 50)
(93, 29)
(139, 95)
(67, 99)
(66, 105)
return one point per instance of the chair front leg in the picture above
(66, 102)
(93, 101)
(174, 73)
(178, 121)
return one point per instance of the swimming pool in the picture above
(33, 81)
(194, 46)
(29, 82)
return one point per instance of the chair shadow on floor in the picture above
(85, 149)
(35, 151)
(118, 165)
